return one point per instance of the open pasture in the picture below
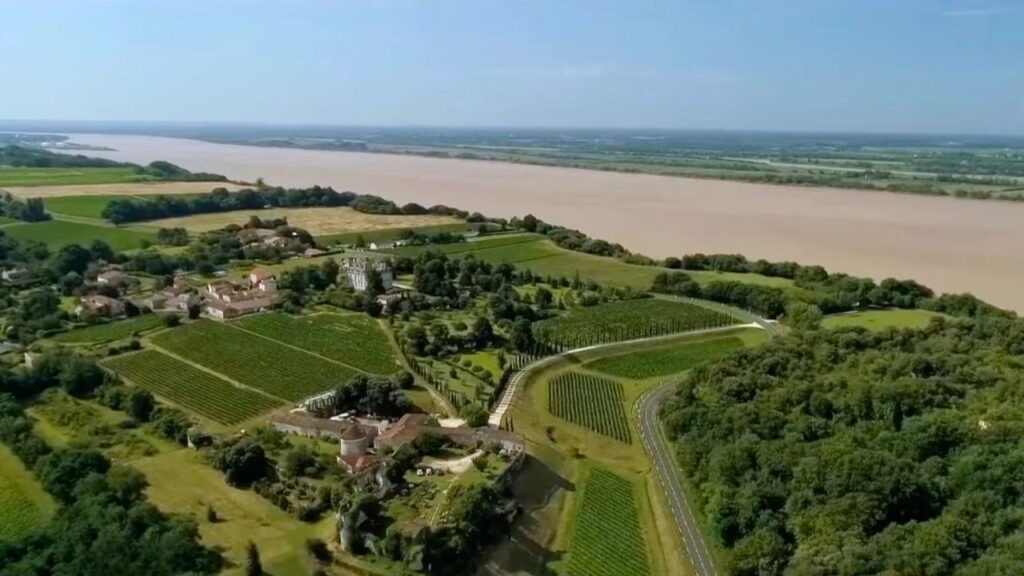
(252, 360)
(669, 360)
(101, 333)
(590, 401)
(318, 221)
(191, 388)
(57, 234)
(80, 206)
(881, 319)
(26, 176)
(627, 320)
(142, 188)
(353, 340)
(607, 539)
(24, 505)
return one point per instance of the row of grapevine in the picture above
(190, 387)
(19, 515)
(666, 361)
(628, 320)
(590, 401)
(356, 341)
(253, 360)
(607, 539)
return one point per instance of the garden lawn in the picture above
(255, 361)
(57, 234)
(24, 505)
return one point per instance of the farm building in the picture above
(100, 305)
(113, 278)
(251, 235)
(355, 272)
(412, 426)
(354, 435)
(15, 275)
(223, 299)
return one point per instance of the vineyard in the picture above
(627, 320)
(607, 539)
(191, 388)
(666, 361)
(101, 333)
(590, 401)
(24, 506)
(354, 340)
(254, 361)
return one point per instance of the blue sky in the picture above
(862, 65)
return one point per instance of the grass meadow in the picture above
(881, 319)
(18, 176)
(57, 234)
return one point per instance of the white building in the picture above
(355, 270)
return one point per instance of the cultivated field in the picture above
(627, 320)
(255, 361)
(319, 221)
(57, 234)
(109, 332)
(24, 505)
(648, 364)
(190, 387)
(606, 537)
(590, 401)
(881, 319)
(353, 340)
(134, 189)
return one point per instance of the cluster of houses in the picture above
(361, 438)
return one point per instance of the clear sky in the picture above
(861, 65)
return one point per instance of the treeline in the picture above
(104, 525)
(29, 209)
(850, 452)
(122, 210)
(30, 157)
(568, 238)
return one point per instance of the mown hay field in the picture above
(665, 361)
(353, 340)
(254, 361)
(607, 539)
(24, 506)
(318, 221)
(191, 388)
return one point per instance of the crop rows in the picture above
(607, 539)
(591, 402)
(109, 332)
(191, 388)
(254, 361)
(667, 361)
(627, 320)
(18, 514)
(354, 340)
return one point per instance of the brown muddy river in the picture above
(949, 244)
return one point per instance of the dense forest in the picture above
(851, 452)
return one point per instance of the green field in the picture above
(386, 235)
(100, 333)
(81, 206)
(10, 176)
(881, 319)
(541, 256)
(353, 340)
(58, 233)
(606, 536)
(651, 363)
(191, 388)
(590, 401)
(627, 320)
(255, 361)
(24, 505)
